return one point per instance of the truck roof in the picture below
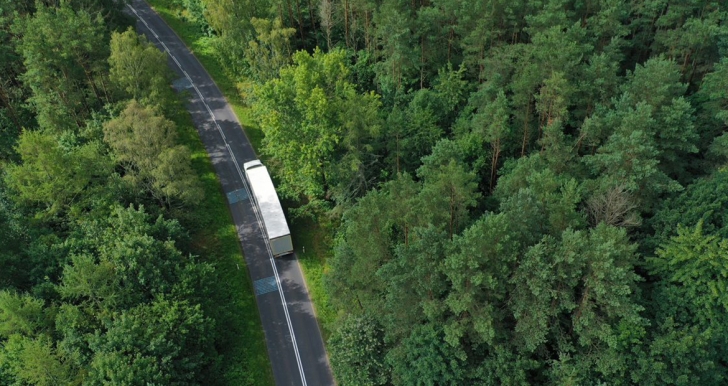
(265, 195)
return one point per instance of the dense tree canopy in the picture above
(98, 280)
(512, 179)
(524, 192)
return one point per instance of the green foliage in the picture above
(20, 314)
(679, 355)
(426, 359)
(692, 34)
(364, 246)
(704, 202)
(410, 134)
(13, 241)
(35, 361)
(448, 191)
(311, 116)
(91, 293)
(139, 69)
(53, 175)
(539, 200)
(415, 284)
(14, 112)
(689, 308)
(270, 51)
(477, 267)
(357, 351)
(693, 267)
(483, 210)
(196, 12)
(123, 318)
(715, 87)
(239, 338)
(587, 278)
(124, 271)
(232, 22)
(145, 143)
(163, 342)
(713, 92)
(64, 52)
(630, 155)
(494, 122)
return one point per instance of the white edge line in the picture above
(245, 184)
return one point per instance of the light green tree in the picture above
(52, 174)
(21, 314)
(84, 279)
(34, 360)
(310, 116)
(145, 143)
(139, 69)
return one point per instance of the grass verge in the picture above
(313, 249)
(241, 342)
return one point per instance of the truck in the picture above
(265, 198)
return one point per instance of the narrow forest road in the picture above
(294, 341)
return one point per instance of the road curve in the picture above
(295, 346)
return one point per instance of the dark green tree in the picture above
(425, 358)
(357, 352)
(478, 268)
(64, 52)
(161, 342)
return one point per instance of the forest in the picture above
(110, 261)
(519, 192)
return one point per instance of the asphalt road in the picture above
(293, 338)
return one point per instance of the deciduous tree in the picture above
(306, 114)
(139, 69)
(145, 143)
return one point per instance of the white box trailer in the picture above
(265, 197)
